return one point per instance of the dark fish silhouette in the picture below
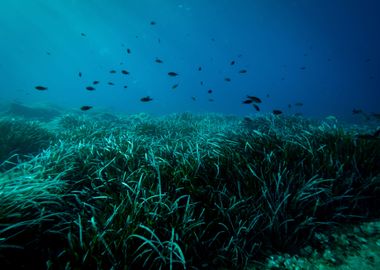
(125, 86)
(90, 88)
(298, 104)
(172, 74)
(227, 79)
(41, 88)
(199, 68)
(128, 50)
(80, 74)
(95, 82)
(113, 71)
(83, 34)
(201, 82)
(242, 71)
(152, 23)
(277, 112)
(158, 61)
(232, 63)
(209, 91)
(247, 101)
(193, 98)
(210, 100)
(111, 83)
(146, 99)
(254, 99)
(257, 108)
(303, 68)
(85, 108)
(175, 86)
(357, 111)
(125, 72)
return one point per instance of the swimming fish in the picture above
(111, 83)
(247, 101)
(128, 50)
(199, 68)
(83, 34)
(209, 91)
(90, 88)
(85, 108)
(175, 86)
(146, 99)
(257, 108)
(232, 63)
(152, 23)
(227, 79)
(125, 72)
(242, 71)
(113, 71)
(158, 61)
(95, 82)
(193, 98)
(172, 74)
(277, 112)
(299, 104)
(80, 74)
(303, 68)
(254, 99)
(41, 88)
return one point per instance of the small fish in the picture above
(242, 71)
(199, 68)
(376, 115)
(125, 86)
(254, 99)
(85, 108)
(172, 74)
(175, 86)
(95, 82)
(257, 108)
(227, 79)
(158, 61)
(146, 99)
(210, 100)
(83, 34)
(41, 88)
(303, 68)
(113, 71)
(125, 72)
(90, 88)
(48, 53)
(111, 83)
(80, 74)
(209, 91)
(128, 50)
(248, 101)
(232, 63)
(193, 98)
(356, 111)
(201, 82)
(152, 23)
(277, 112)
(298, 104)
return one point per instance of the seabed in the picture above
(186, 191)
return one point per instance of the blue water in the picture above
(336, 41)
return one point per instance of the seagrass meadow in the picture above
(181, 191)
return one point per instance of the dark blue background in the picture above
(336, 41)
